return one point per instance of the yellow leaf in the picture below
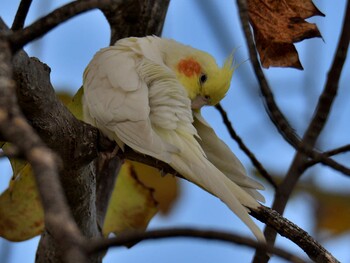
(64, 96)
(332, 210)
(166, 188)
(21, 213)
(132, 204)
(17, 165)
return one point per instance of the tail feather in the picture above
(255, 194)
(201, 172)
(221, 156)
(236, 199)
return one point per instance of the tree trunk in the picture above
(76, 142)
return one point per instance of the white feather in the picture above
(223, 158)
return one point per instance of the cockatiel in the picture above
(147, 92)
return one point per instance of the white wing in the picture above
(166, 96)
(116, 100)
(219, 154)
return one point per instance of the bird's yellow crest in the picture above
(201, 76)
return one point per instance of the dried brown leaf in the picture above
(304, 8)
(21, 213)
(279, 24)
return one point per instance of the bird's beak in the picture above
(198, 102)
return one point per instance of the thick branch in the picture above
(136, 18)
(15, 129)
(76, 142)
(69, 137)
(288, 229)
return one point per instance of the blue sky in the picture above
(68, 49)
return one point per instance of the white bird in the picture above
(146, 93)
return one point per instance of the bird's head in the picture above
(205, 82)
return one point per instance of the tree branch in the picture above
(288, 229)
(276, 116)
(107, 170)
(331, 87)
(333, 152)
(72, 139)
(136, 236)
(323, 158)
(315, 127)
(39, 28)
(21, 15)
(273, 111)
(15, 129)
(69, 137)
(137, 18)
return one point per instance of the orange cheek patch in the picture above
(189, 67)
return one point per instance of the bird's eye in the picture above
(203, 78)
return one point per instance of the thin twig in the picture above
(244, 148)
(338, 150)
(333, 152)
(20, 38)
(329, 93)
(325, 160)
(276, 116)
(331, 87)
(126, 238)
(21, 15)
